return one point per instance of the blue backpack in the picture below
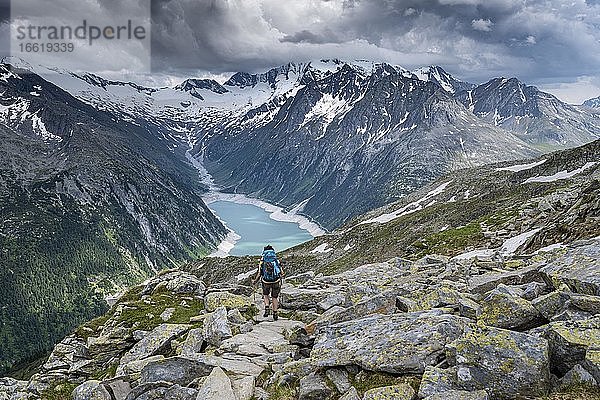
(270, 269)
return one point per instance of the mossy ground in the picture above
(367, 380)
(62, 391)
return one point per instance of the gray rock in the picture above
(214, 300)
(395, 392)
(235, 317)
(193, 342)
(551, 304)
(167, 314)
(177, 370)
(399, 343)
(578, 269)
(468, 308)
(486, 282)
(533, 290)
(91, 390)
(149, 391)
(339, 379)
(134, 368)
(216, 387)
(584, 302)
(232, 363)
(243, 388)
(351, 394)
(185, 283)
(294, 298)
(119, 388)
(460, 395)
(503, 362)
(592, 363)
(313, 387)
(576, 378)
(216, 327)
(436, 381)
(156, 342)
(503, 309)
(569, 341)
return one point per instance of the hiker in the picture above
(270, 273)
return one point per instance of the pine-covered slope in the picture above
(89, 203)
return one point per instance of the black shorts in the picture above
(271, 289)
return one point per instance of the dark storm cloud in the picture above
(536, 40)
(306, 36)
(475, 38)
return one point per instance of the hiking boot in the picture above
(266, 314)
(275, 316)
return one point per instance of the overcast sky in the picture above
(553, 44)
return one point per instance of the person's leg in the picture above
(275, 299)
(266, 289)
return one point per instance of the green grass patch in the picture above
(62, 391)
(145, 314)
(449, 242)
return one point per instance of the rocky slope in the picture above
(536, 117)
(89, 204)
(504, 305)
(593, 103)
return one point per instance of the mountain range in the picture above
(306, 135)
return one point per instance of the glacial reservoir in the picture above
(256, 228)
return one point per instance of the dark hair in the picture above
(268, 247)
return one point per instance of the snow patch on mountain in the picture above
(409, 208)
(521, 167)
(560, 175)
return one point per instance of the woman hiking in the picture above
(270, 273)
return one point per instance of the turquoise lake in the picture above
(257, 229)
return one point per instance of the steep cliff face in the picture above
(348, 140)
(90, 203)
(536, 117)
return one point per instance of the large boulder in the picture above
(156, 342)
(578, 269)
(569, 341)
(486, 282)
(459, 395)
(592, 363)
(504, 309)
(178, 370)
(503, 362)
(313, 387)
(216, 327)
(91, 390)
(216, 387)
(400, 343)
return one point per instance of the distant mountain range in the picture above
(593, 103)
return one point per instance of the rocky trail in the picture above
(436, 328)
